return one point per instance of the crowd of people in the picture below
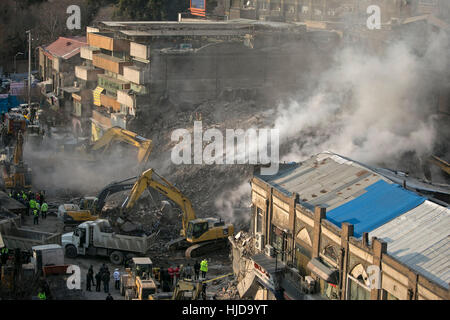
(35, 203)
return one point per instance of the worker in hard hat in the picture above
(204, 268)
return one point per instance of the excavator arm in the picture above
(441, 164)
(121, 135)
(167, 189)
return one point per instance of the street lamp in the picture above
(15, 63)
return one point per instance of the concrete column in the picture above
(292, 218)
(346, 233)
(378, 247)
(268, 219)
(412, 285)
(319, 214)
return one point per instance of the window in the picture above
(356, 290)
(388, 296)
(259, 219)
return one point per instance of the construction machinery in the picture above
(137, 283)
(444, 165)
(198, 235)
(15, 173)
(97, 238)
(91, 152)
(90, 208)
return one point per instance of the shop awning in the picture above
(328, 274)
(97, 92)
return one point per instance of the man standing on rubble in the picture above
(204, 268)
(197, 270)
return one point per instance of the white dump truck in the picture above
(96, 238)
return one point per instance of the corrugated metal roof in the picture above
(420, 239)
(66, 48)
(379, 204)
(350, 192)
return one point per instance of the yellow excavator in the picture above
(444, 165)
(16, 174)
(198, 235)
(90, 208)
(117, 134)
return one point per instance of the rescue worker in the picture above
(98, 281)
(32, 203)
(10, 194)
(24, 197)
(197, 270)
(41, 295)
(116, 276)
(44, 209)
(35, 216)
(109, 297)
(4, 256)
(204, 268)
(38, 207)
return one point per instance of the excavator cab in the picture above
(87, 203)
(196, 228)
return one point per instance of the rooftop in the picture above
(66, 47)
(348, 190)
(420, 239)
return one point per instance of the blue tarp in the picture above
(381, 203)
(8, 103)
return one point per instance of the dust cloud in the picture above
(371, 108)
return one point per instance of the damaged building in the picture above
(332, 228)
(131, 66)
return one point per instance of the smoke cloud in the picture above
(372, 108)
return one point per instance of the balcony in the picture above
(88, 52)
(139, 50)
(111, 84)
(134, 74)
(87, 73)
(108, 42)
(109, 63)
(109, 102)
(124, 98)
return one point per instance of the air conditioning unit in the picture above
(269, 250)
(259, 243)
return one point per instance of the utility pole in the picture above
(29, 68)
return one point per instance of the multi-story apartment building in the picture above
(130, 66)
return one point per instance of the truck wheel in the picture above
(71, 251)
(116, 257)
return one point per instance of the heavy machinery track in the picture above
(200, 249)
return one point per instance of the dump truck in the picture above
(16, 237)
(97, 238)
(90, 208)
